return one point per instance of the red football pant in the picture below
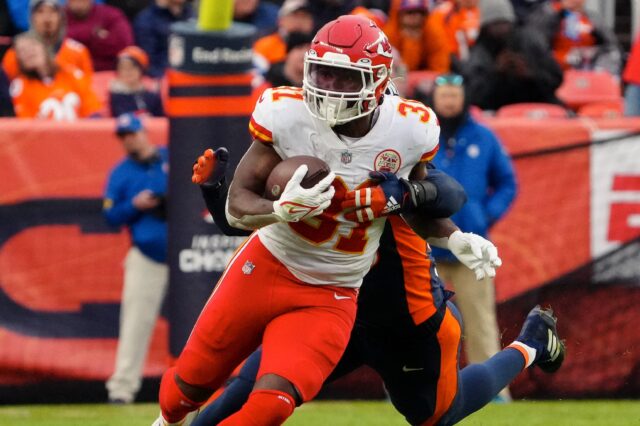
(304, 328)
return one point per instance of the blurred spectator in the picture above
(508, 65)
(47, 23)
(524, 8)
(577, 37)
(631, 77)
(6, 106)
(294, 16)
(135, 197)
(472, 154)
(324, 11)
(461, 21)
(291, 71)
(262, 14)
(152, 30)
(14, 17)
(127, 92)
(44, 89)
(130, 8)
(422, 42)
(103, 29)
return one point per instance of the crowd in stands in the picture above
(56, 53)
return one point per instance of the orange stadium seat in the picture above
(583, 87)
(611, 109)
(532, 110)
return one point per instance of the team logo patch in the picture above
(248, 267)
(346, 157)
(387, 161)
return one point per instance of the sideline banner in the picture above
(60, 265)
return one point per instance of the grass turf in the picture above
(530, 413)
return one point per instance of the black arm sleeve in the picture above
(438, 196)
(215, 197)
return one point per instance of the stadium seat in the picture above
(533, 110)
(583, 87)
(611, 109)
(422, 78)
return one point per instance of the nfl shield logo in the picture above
(248, 267)
(345, 157)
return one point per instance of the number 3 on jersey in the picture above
(322, 228)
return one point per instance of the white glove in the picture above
(475, 252)
(297, 203)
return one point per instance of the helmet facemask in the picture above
(337, 90)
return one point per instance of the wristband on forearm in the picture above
(421, 193)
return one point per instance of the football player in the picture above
(417, 360)
(294, 283)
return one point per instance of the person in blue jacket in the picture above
(472, 154)
(135, 197)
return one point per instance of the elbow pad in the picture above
(439, 195)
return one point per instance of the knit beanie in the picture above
(496, 10)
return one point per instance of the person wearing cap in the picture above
(152, 29)
(102, 28)
(472, 154)
(421, 40)
(48, 23)
(293, 16)
(127, 92)
(44, 89)
(135, 197)
(509, 64)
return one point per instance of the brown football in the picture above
(283, 171)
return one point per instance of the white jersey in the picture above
(328, 249)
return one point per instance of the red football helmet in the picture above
(346, 70)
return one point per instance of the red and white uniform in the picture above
(329, 250)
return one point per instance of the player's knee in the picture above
(194, 393)
(278, 383)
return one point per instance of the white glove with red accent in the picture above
(476, 253)
(297, 203)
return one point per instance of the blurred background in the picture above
(558, 82)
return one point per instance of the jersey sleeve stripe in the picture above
(428, 156)
(259, 132)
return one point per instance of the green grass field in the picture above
(556, 413)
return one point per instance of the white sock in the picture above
(527, 351)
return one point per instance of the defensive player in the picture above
(293, 284)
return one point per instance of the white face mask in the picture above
(335, 106)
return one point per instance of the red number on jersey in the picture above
(286, 92)
(321, 228)
(414, 107)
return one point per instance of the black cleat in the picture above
(539, 332)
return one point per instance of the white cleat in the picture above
(160, 421)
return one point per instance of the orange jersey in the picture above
(272, 47)
(65, 97)
(574, 32)
(461, 25)
(71, 53)
(429, 52)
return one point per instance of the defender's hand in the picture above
(366, 204)
(297, 203)
(211, 166)
(476, 253)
